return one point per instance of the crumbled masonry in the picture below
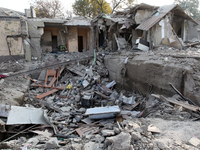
(144, 122)
(125, 81)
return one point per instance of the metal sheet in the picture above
(26, 115)
(103, 116)
(102, 110)
(147, 24)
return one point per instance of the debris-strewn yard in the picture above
(71, 101)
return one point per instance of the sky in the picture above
(20, 5)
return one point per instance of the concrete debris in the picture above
(78, 101)
(32, 142)
(91, 146)
(128, 100)
(52, 143)
(195, 141)
(136, 136)
(107, 132)
(109, 85)
(153, 129)
(121, 141)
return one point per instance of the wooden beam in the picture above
(58, 88)
(46, 94)
(180, 103)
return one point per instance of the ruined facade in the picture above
(13, 31)
(24, 36)
(168, 25)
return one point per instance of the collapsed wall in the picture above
(152, 70)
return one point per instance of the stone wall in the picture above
(143, 70)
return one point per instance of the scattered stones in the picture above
(108, 132)
(67, 114)
(136, 136)
(121, 141)
(52, 143)
(116, 130)
(91, 146)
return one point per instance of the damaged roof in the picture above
(133, 9)
(161, 12)
(4, 12)
(78, 21)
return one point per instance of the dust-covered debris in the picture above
(82, 86)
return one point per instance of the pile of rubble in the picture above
(74, 105)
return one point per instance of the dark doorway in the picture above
(54, 44)
(101, 38)
(80, 43)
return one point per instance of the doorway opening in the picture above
(80, 43)
(54, 44)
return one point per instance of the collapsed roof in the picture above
(156, 14)
(162, 12)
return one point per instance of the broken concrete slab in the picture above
(194, 141)
(121, 141)
(107, 132)
(52, 143)
(136, 136)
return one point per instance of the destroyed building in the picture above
(167, 25)
(86, 85)
(25, 36)
(13, 31)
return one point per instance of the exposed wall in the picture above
(46, 41)
(89, 39)
(141, 15)
(163, 30)
(73, 39)
(35, 37)
(193, 31)
(10, 27)
(157, 35)
(61, 36)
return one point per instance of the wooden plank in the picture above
(58, 88)
(46, 94)
(102, 95)
(75, 70)
(52, 81)
(106, 89)
(35, 81)
(130, 107)
(187, 106)
(86, 130)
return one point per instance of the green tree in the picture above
(82, 8)
(91, 8)
(117, 4)
(190, 7)
(48, 8)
